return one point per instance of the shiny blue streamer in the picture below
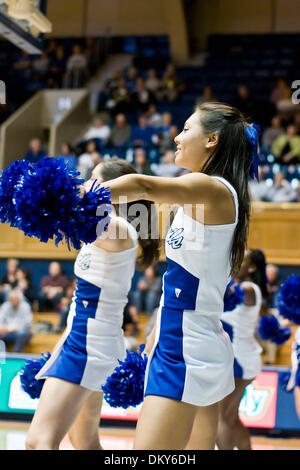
(253, 131)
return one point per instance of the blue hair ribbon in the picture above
(253, 131)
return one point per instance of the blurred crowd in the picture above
(128, 124)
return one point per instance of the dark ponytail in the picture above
(149, 240)
(231, 160)
(259, 276)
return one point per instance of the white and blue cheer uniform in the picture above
(192, 357)
(294, 380)
(93, 341)
(241, 324)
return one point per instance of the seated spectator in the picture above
(130, 79)
(68, 154)
(258, 188)
(281, 191)
(23, 66)
(121, 131)
(86, 160)
(16, 321)
(58, 66)
(167, 141)
(271, 133)
(296, 121)
(171, 84)
(166, 123)
(207, 95)
(147, 295)
(141, 97)
(141, 163)
(244, 101)
(99, 130)
(167, 166)
(120, 102)
(35, 151)
(24, 284)
(153, 83)
(286, 148)
(9, 280)
(34, 85)
(141, 134)
(130, 326)
(281, 96)
(153, 117)
(65, 303)
(77, 68)
(272, 272)
(52, 288)
(41, 64)
(51, 48)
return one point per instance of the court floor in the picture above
(13, 436)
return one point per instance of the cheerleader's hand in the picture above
(83, 190)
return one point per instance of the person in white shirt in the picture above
(99, 130)
(15, 321)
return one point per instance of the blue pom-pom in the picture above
(125, 387)
(47, 203)
(234, 295)
(9, 178)
(288, 301)
(27, 376)
(269, 329)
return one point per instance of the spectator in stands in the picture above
(281, 97)
(244, 101)
(167, 141)
(281, 191)
(34, 85)
(41, 64)
(167, 166)
(166, 123)
(52, 288)
(130, 78)
(141, 163)
(141, 97)
(112, 83)
(86, 160)
(208, 94)
(68, 154)
(24, 284)
(77, 68)
(286, 148)
(23, 66)
(171, 84)
(16, 321)
(99, 130)
(58, 66)
(130, 326)
(120, 98)
(142, 134)
(51, 48)
(65, 304)
(258, 188)
(121, 131)
(153, 83)
(147, 294)
(9, 280)
(35, 151)
(154, 118)
(271, 133)
(272, 272)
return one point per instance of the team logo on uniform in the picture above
(84, 261)
(175, 237)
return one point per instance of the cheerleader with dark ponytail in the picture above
(89, 350)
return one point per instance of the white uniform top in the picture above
(110, 271)
(243, 320)
(93, 340)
